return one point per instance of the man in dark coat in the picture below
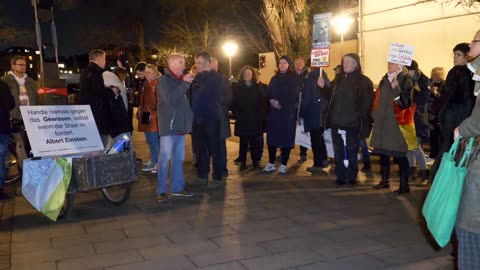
(313, 106)
(7, 103)
(350, 104)
(302, 73)
(211, 94)
(94, 93)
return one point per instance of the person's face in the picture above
(178, 65)
(20, 66)
(392, 67)
(299, 65)
(459, 58)
(247, 75)
(101, 60)
(149, 73)
(436, 77)
(475, 46)
(411, 73)
(349, 64)
(283, 65)
(141, 74)
(201, 64)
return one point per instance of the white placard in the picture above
(320, 57)
(401, 54)
(302, 138)
(61, 130)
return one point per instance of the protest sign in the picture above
(321, 30)
(61, 130)
(320, 57)
(401, 54)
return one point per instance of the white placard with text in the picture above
(61, 130)
(401, 54)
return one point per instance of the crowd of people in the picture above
(405, 112)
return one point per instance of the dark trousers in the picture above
(272, 152)
(209, 146)
(318, 146)
(303, 151)
(403, 164)
(435, 141)
(256, 147)
(223, 156)
(346, 174)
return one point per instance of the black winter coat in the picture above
(351, 102)
(314, 102)
(94, 93)
(7, 103)
(248, 106)
(458, 99)
(120, 121)
(281, 123)
(420, 98)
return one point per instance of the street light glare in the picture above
(342, 23)
(230, 48)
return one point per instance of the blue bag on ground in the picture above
(441, 206)
(45, 183)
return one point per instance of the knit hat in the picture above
(463, 47)
(288, 59)
(124, 60)
(413, 66)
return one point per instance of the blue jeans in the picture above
(171, 147)
(3, 155)
(152, 140)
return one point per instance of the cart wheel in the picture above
(117, 194)
(67, 206)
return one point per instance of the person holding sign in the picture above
(390, 137)
(348, 114)
(7, 103)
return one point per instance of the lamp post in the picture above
(230, 49)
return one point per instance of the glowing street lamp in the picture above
(230, 49)
(342, 24)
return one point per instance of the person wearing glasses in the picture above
(24, 92)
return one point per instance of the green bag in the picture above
(441, 206)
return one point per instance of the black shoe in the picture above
(243, 166)
(402, 190)
(256, 165)
(381, 185)
(214, 184)
(198, 181)
(237, 160)
(162, 198)
(340, 182)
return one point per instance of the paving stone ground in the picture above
(259, 221)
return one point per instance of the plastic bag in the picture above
(441, 206)
(45, 183)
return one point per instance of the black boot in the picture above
(404, 187)
(385, 183)
(243, 166)
(366, 166)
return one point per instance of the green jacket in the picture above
(468, 217)
(15, 90)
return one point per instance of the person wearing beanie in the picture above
(422, 128)
(348, 115)
(281, 122)
(457, 100)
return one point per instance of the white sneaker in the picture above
(149, 168)
(147, 163)
(154, 169)
(282, 169)
(270, 168)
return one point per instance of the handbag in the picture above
(441, 206)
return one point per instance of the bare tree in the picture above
(465, 3)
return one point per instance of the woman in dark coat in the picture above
(350, 104)
(282, 95)
(248, 106)
(312, 109)
(387, 139)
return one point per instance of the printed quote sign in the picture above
(320, 57)
(401, 54)
(61, 130)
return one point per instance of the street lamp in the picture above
(341, 24)
(230, 48)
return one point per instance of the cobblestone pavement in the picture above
(259, 221)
